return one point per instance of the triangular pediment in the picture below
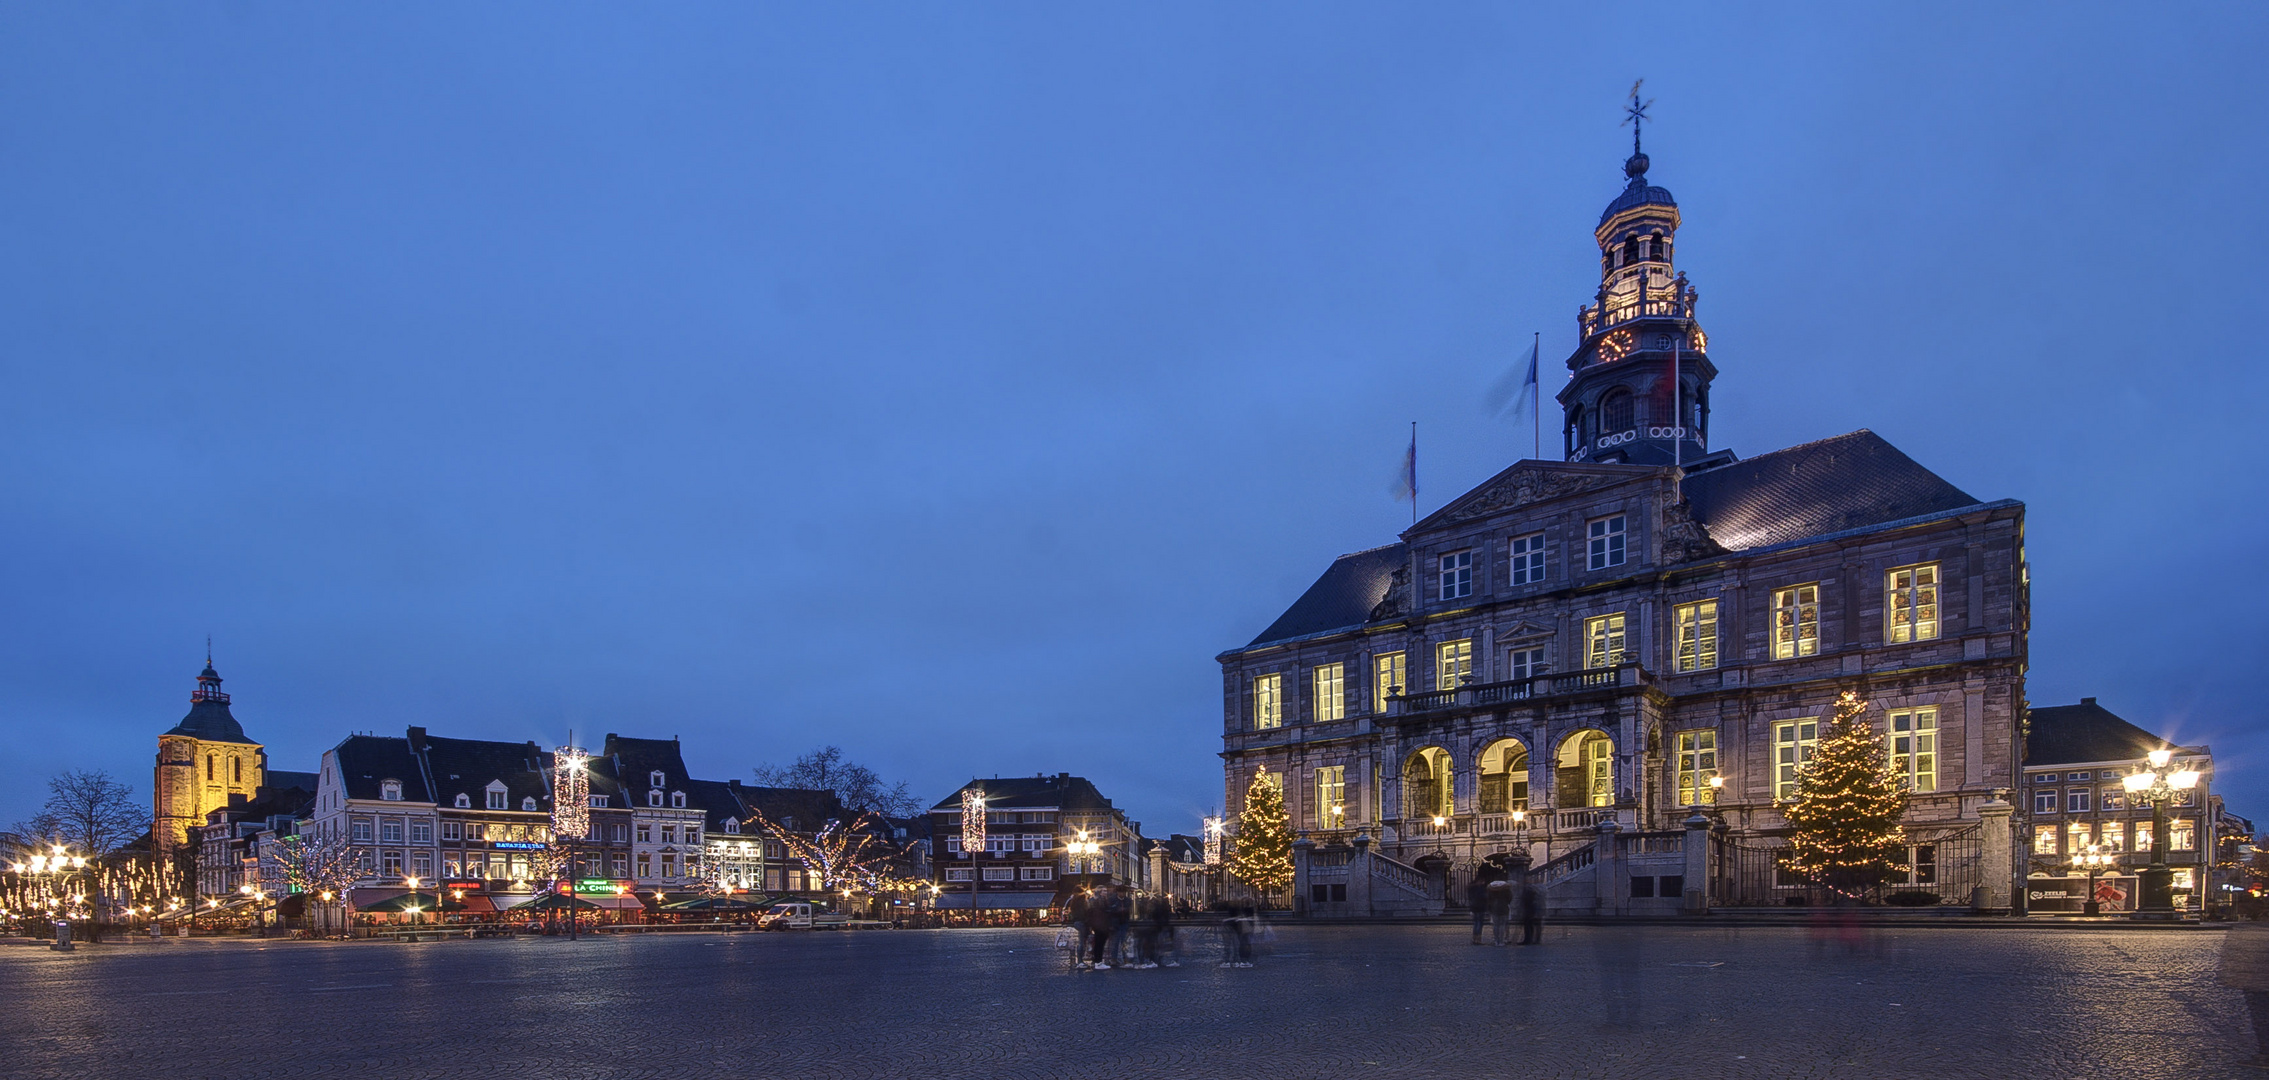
(1524, 630)
(1527, 483)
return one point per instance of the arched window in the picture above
(1585, 771)
(236, 770)
(208, 766)
(1575, 429)
(1658, 248)
(1631, 250)
(1426, 789)
(1504, 777)
(1615, 412)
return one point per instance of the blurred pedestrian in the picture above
(1237, 937)
(1532, 913)
(2245, 966)
(1075, 916)
(1500, 900)
(1477, 899)
(1098, 930)
(1162, 932)
(1121, 908)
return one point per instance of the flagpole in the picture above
(1414, 474)
(1536, 403)
(1678, 425)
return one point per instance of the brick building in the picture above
(2073, 798)
(1578, 651)
(1031, 825)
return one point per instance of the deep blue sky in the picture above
(951, 382)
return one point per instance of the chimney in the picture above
(2087, 701)
(417, 739)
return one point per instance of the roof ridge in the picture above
(1807, 445)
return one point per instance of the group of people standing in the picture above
(1499, 894)
(1107, 917)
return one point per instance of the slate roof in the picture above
(719, 801)
(1637, 193)
(1351, 587)
(1846, 482)
(466, 767)
(2087, 732)
(1062, 791)
(367, 760)
(209, 718)
(279, 780)
(637, 760)
(795, 809)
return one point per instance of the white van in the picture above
(798, 915)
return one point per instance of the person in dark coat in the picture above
(1477, 899)
(1501, 896)
(1532, 913)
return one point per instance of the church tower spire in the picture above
(1639, 380)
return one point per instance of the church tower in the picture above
(202, 762)
(1639, 381)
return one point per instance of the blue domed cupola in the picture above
(1620, 404)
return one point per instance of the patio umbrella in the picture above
(398, 904)
(554, 902)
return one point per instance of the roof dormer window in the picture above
(733, 825)
(497, 799)
(598, 802)
(464, 801)
(677, 799)
(527, 802)
(390, 790)
(654, 779)
(654, 797)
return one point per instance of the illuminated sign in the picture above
(517, 845)
(595, 885)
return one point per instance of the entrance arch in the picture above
(1504, 777)
(1585, 770)
(1426, 785)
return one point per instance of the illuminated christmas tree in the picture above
(1848, 805)
(1263, 856)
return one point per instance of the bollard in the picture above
(62, 937)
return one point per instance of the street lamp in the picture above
(56, 871)
(2093, 859)
(2160, 785)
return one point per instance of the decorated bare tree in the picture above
(860, 788)
(843, 856)
(89, 813)
(322, 870)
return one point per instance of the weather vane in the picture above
(1635, 114)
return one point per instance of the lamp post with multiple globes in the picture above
(2160, 785)
(58, 871)
(2093, 860)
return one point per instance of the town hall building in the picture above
(1590, 651)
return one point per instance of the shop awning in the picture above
(616, 903)
(996, 900)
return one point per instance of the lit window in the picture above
(645, 833)
(2044, 839)
(1386, 678)
(669, 865)
(645, 864)
(2112, 798)
(1523, 663)
(1697, 766)
(1792, 750)
(1527, 563)
(2044, 802)
(1268, 701)
(1603, 641)
(2143, 836)
(2076, 836)
(1456, 576)
(1599, 770)
(2182, 835)
(390, 862)
(1911, 603)
(1697, 636)
(1796, 622)
(1331, 692)
(2076, 802)
(1331, 796)
(1453, 664)
(1605, 543)
(1914, 748)
(2112, 835)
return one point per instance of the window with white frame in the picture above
(2076, 836)
(1697, 636)
(2182, 834)
(654, 779)
(2143, 836)
(1792, 751)
(2076, 802)
(677, 800)
(955, 873)
(1330, 691)
(1331, 797)
(1603, 640)
(1604, 543)
(464, 801)
(390, 831)
(1910, 603)
(1523, 663)
(451, 830)
(1526, 566)
(1796, 621)
(2044, 801)
(421, 863)
(1268, 701)
(1454, 576)
(1914, 747)
(390, 790)
(421, 832)
(497, 797)
(1000, 873)
(362, 830)
(595, 801)
(1039, 873)
(390, 862)
(528, 803)
(2112, 835)
(1453, 664)
(1386, 678)
(1697, 765)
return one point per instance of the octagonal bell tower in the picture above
(1639, 381)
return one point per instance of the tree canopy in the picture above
(860, 788)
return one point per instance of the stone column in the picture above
(1997, 874)
(1158, 871)
(1697, 900)
(1611, 876)
(1302, 847)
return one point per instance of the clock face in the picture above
(1616, 346)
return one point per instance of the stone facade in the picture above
(203, 762)
(1592, 643)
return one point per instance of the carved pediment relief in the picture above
(1396, 603)
(1524, 630)
(1683, 538)
(1530, 484)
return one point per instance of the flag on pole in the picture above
(1406, 482)
(1516, 390)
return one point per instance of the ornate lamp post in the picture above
(56, 871)
(2093, 859)
(2159, 785)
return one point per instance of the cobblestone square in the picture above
(1323, 1001)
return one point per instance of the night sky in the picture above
(952, 382)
